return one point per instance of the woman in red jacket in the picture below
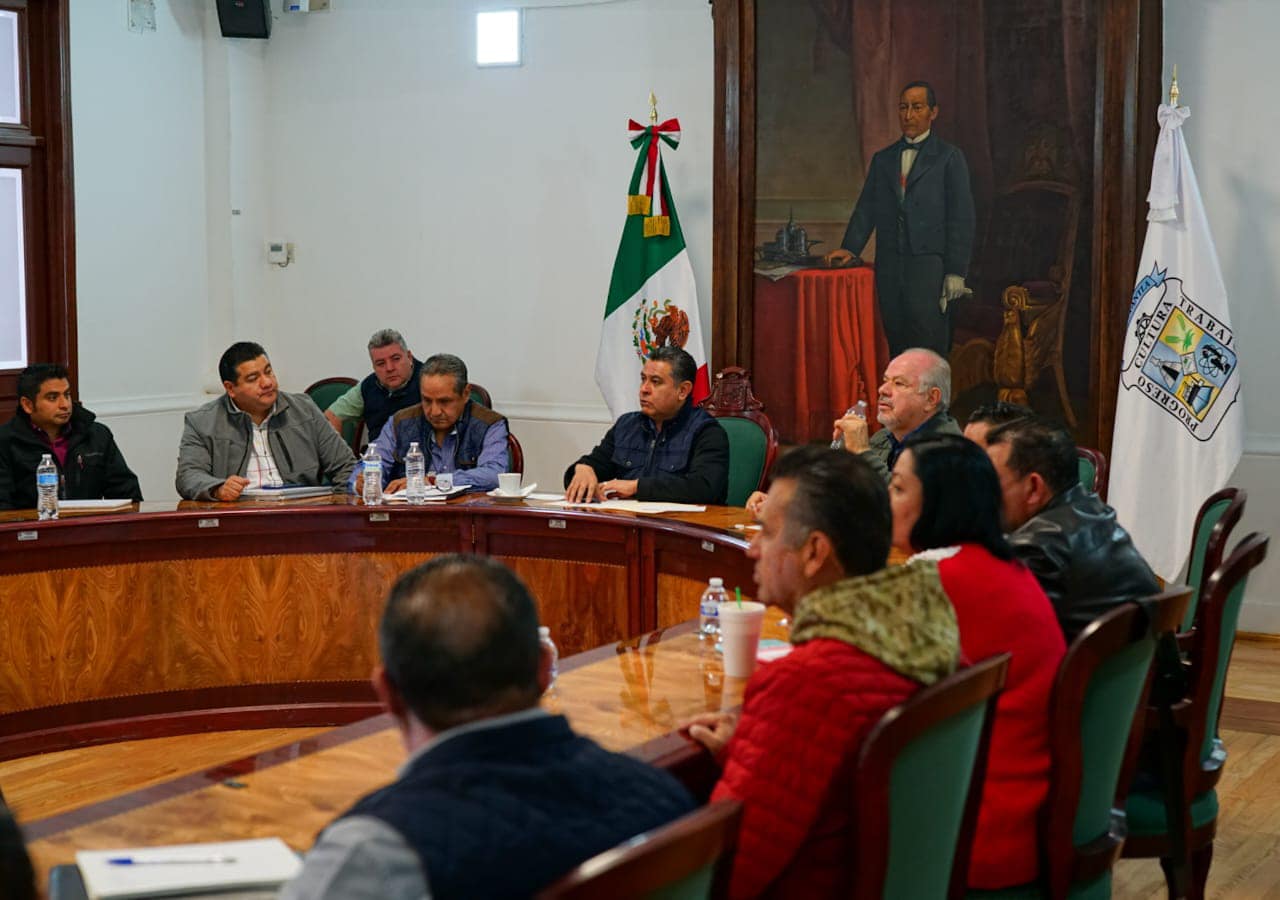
(946, 504)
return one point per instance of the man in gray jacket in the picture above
(257, 436)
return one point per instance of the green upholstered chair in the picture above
(1218, 515)
(918, 784)
(1177, 821)
(324, 392)
(690, 859)
(1100, 687)
(753, 442)
(1093, 470)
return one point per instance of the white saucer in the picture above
(498, 494)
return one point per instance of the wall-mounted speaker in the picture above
(245, 18)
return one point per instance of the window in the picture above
(37, 295)
(498, 38)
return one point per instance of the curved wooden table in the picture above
(207, 616)
(630, 696)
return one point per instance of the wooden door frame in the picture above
(1130, 50)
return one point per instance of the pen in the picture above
(742, 527)
(171, 861)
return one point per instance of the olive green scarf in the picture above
(899, 615)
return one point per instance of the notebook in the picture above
(287, 492)
(179, 869)
(93, 505)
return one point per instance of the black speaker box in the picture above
(245, 18)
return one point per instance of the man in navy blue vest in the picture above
(498, 797)
(668, 451)
(391, 387)
(455, 433)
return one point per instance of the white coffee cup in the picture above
(509, 483)
(444, 482)
(740, 636)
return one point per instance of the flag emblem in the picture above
(1183, 357)
(658, 326)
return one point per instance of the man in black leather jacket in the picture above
(1069, 538)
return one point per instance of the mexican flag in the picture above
(652, 299)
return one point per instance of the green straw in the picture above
(737, 592)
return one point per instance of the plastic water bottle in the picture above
(709, 608)
(858, 409)
(47, 488)
(372, 485)
(415, 473)
(544, 638)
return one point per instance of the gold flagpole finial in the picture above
(1173, 87)
(653, 109)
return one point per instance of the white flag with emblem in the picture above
(1179, 417)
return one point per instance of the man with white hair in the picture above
(913, 400)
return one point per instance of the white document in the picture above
(185, 868)
(93, 505)
(288, 492)
(635, 506)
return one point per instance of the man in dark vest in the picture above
(668, 451)
(393, 386)
(498, 797)
(455, 433)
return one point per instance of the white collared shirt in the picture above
(909, 153)
(262, 470)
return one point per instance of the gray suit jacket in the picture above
(216, 444)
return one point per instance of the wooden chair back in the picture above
(753, 442)
(1101, 685)
(1093, 470)
(1218, 516)
(480, 395)
(918, 784)
(515, 454)
(691, 857)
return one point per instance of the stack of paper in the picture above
(187, 868)
(93, 505)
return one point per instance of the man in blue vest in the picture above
(455, 433)
(498, 797)
(668, 451)
(391, 387)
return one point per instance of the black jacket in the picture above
(686, 462)
(1083, 559)
(95, 469)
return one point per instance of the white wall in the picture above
(141, 263)
(477, 210)
(1225, 56)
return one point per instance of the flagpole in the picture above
(653, 105)
(1173, 88)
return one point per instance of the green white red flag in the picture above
(652, 299)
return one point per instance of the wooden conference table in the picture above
(208, 617)
(630, 696)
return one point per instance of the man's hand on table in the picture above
(231, 489)
(397, 484)
(839, 258)
(583, 486)
(755, 503)
(619, 489)
(713, 731)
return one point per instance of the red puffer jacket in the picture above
(802, 716)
